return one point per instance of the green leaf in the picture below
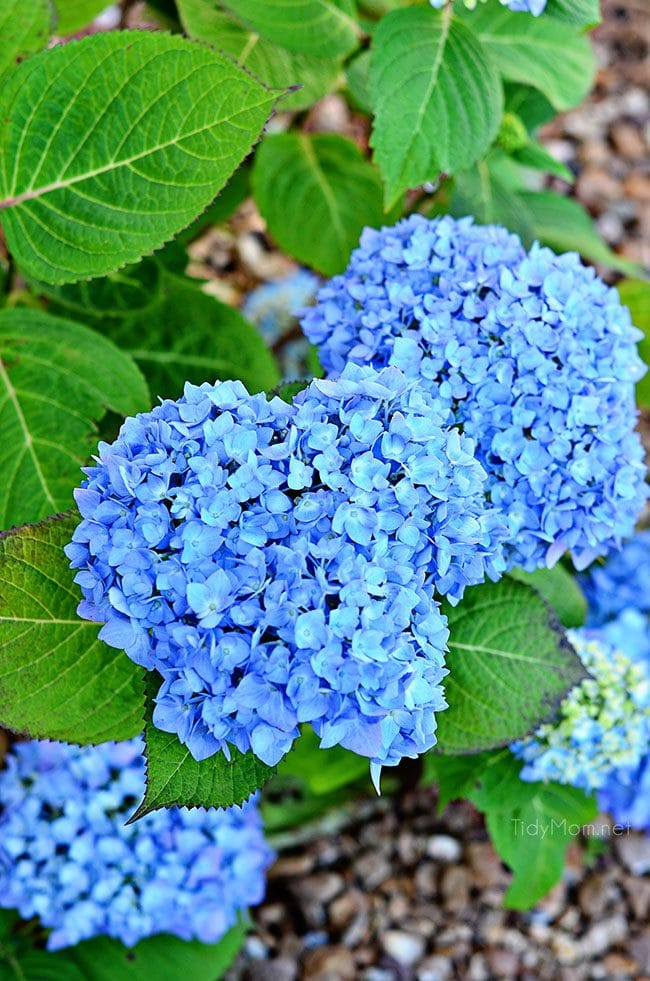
(129, 293)
(536, 155)
(57, 379)
(357, 75)
(170, 327)
(163, 957)
(565, 226)
(174, 777)
(530, 825)
(274, 65)
(316, 194)
(456, 776)
(489, 192)
(323, 771)
(72, 15)
(560, 590)
(114, 143)
(40, 965)
(57, 680)
(236, 190)
(539, 51)
(193, 337)
(635, 294)
(24, 29)
(509, 666)
(325, 28)
(437, 98)
(583, 13)
(529, 104)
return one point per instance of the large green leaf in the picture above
(536, 156)
(128, 293)
(635, 294)
(560, 590)
(316, 194)
(162, 957)
(357, 75)
(530, 825)
(489, 192)
(437, 97)
(541, 51)
(274, 65)
(323, 771)
(57, 680)
(190, 336)
(236, 190)
(174, 777)
(325, 28)
(170, 327)
(509, 666)
(114, 143)
(57, 379)
(564, 225)
(528, 104)
(24, 29)
(72, 15)
(584, 13)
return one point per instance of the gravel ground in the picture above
(394, 893)
(399, 894)
(606, 141)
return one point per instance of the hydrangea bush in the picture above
(314, 524)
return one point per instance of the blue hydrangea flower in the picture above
(534, 7)
(276, 564)
(625, 795)
(531, 353)
(273, 307)
(621, 582)
(67, 856)
(603, 724)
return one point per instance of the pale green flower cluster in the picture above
(603, 723)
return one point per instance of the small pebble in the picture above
(435, 968)
(405, 948)
(443, 848)
(634, 851)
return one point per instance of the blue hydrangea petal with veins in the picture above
(531, 353)
(68, 857)
(276, 564)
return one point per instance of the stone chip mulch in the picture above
(400, 894)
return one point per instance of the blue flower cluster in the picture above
(67, 856)
(626, 795)
(273, 307)
(276, 563)
(618, 592)
(534, 7)
(620, 583)
(531, 353)
(603, 724)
